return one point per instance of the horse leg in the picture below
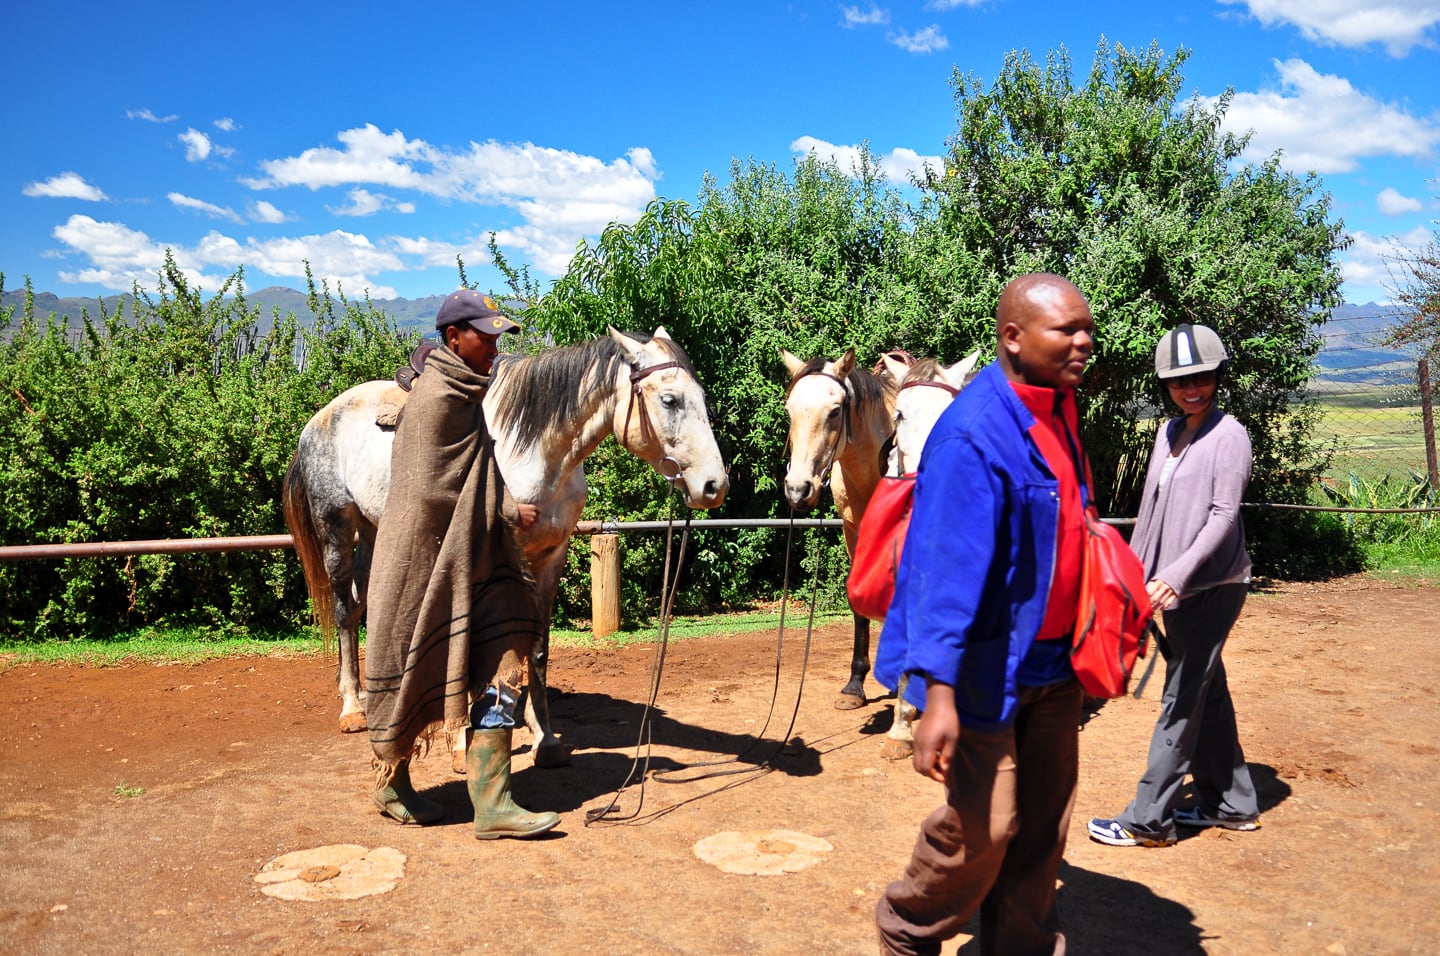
(549, 751)
(900, 738)
(852, 695)
(348, 563)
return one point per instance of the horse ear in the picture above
(660, 333)
(792, 364)
(628, 346)
(895, 366)
(844, 364)
(959, 373)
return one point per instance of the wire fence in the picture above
(1372, 400)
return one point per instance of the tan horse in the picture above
(547, 413)
(841, 416)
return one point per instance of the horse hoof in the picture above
(893, 749)
(552, 756)
(352, 723)
(849, 702)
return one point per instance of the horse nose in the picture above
(798, 493)
(715, 490)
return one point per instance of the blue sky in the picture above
(380, 140)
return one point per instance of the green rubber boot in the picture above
(398, 799)
(487, 773)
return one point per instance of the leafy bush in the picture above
(176, 418)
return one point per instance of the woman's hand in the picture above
(1162, 595)
(528, 514)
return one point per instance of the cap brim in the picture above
(493, 325)
(1189, 370)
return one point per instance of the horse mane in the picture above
(556, 384)
(867, 386)
(924, 370)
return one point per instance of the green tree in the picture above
(174, 415)
(1145, 203)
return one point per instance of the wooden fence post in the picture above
(1427, 415)
(604, 584)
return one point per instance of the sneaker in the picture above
(1195, 817)
(1111, 833)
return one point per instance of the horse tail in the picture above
(296, 500)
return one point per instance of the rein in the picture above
(933, 383)
(640, 765)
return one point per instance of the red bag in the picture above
(1115, 615)
(878, 541)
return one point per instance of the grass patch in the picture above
(690, 626)
(192, 645)
(157, 645)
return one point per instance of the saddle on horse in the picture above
(405, 375)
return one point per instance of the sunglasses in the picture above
(1198, 378)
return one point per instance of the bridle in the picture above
(647, 427)
(847, 427)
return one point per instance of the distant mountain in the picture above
(1354, 337)
(406, 313)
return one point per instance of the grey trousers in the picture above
(997, 843)
(1196, 732)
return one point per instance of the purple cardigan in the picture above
(1189, 533)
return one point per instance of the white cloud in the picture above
(897, 165)
(197, 145)
(263, 211)
(561, 195)
(180, 200)
(1323, 124)
(120, 257)
(1392, 203)
(226, 124)
(1369, 262)
(150, 117)
(67, 185)
(852, 17)
(926, 40)
(365, 203)
(1399, 25)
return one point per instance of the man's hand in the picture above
(528, 514)
(937, 733)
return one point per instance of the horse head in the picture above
(820, 402)
(664, 422)
(918, 408)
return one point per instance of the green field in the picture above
(1373, 431)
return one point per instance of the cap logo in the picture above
(496, 323)
(490, 303)
(1184, 344)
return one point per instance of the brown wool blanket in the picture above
(449, 595)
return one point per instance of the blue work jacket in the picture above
(975, 571)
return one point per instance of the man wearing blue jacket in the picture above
(981, 623)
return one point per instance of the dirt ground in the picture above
(142, 801)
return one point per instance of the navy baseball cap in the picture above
(477, 309)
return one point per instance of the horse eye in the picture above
(899, 417)
(669, 401)
(834, 413)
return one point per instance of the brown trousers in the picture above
(996, 844)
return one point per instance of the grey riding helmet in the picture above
(1187, 349)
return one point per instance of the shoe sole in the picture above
(1202, 822)
(1131, 841)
